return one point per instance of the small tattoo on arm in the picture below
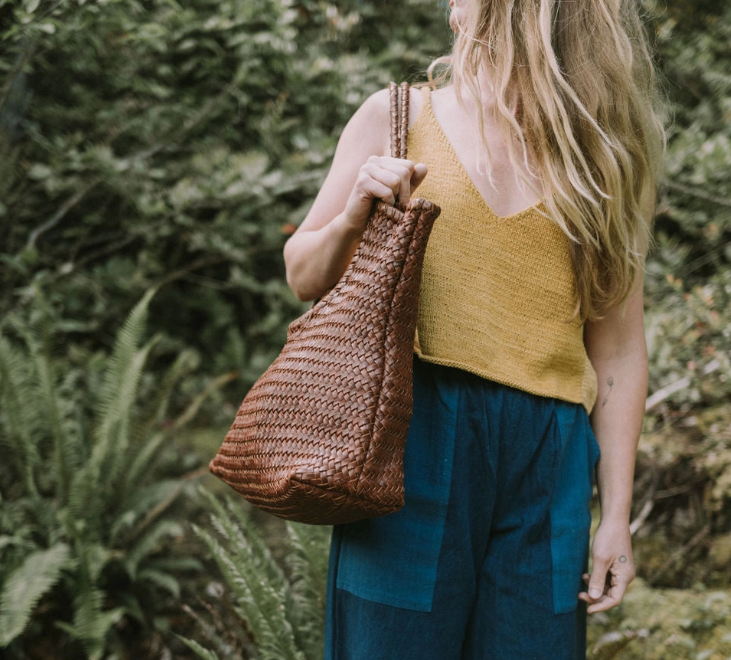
(622, 559)
(610, 382)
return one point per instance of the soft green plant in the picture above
(611, 644)
(84, 528)
(281, 601)
(180, 142)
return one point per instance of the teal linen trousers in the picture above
(484, 561)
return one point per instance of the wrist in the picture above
(348, 230)
(615, 516)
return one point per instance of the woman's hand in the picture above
(616, 347)
(612, 566)
(381, 177)
(318, 253)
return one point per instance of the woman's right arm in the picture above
(318, 253)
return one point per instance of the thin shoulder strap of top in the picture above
(426, 94)
(399, 118)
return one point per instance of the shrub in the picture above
(85, 535)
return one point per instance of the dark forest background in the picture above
(154, 157)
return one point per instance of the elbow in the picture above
(301, 293)
(294, 276)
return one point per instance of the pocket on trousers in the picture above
(392, 560)
(570, 505)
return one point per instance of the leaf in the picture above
(161, 579)
(91, 488)
(16, 395)
(91, 626)
(195, 646)
(25, 586)
(148, 544)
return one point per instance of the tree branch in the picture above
(679, 554)
(666, 392)
(60, 214)
(697, 192)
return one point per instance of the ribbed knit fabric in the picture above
(497, 293)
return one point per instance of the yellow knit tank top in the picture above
(497, 294)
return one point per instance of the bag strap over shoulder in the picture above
(399, 95)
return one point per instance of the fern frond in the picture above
(138, 505)
(16, 393)
(228, 651)
(25, 586)
(155, 410)
(149, 544)
(91, 625)
(41, 352)
(176, 564)
(307, 560)
(117, 377)
(261, 590)
(252, 544)
(133, 608)
(240, 586)
(112, 443)
(74, 420)
(92, 487)
(257, 603)
(37, 339)
(246, 543)
(197, 648)
(140, 464)
(160, 579)
(309, 556)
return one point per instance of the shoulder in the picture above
(378, 104)
(370, 124)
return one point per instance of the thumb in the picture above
(420, 172)
(598, 577)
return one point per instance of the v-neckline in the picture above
(538, 205)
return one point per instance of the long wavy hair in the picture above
(575, 82)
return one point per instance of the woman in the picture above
(542, 148)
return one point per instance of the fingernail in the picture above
(595, 593)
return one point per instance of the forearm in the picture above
(316, 260)
(617, 423)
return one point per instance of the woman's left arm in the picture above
(617, 350)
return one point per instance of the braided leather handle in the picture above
(399, 119)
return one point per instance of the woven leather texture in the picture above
(320, 436)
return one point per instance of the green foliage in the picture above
(201, 651)
(281, 603)
(688, 274)
(24, 587)
(82, 522)
(175, 146)
(612, 643)
(179, 144)
(664, 624)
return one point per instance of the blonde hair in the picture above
(575, 81)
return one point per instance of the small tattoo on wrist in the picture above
(610, 382)
(622, 559)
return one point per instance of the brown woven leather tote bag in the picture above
(320, 436)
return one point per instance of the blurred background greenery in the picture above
(169, 148)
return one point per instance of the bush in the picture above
(87, 545)
(280, 601)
